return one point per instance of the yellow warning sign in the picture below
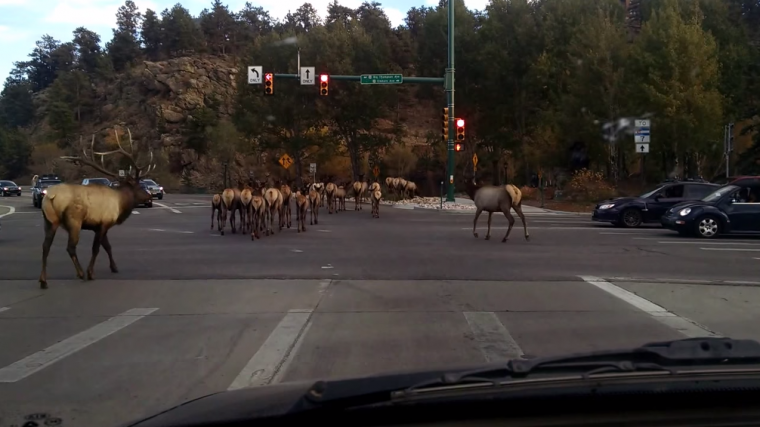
(286, 161)
(475, 162)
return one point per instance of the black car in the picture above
(9, 188)
(40, 189)
(650, 206)
(730, 209)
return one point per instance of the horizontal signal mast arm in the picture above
(358, 78)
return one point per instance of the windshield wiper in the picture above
(668, 356)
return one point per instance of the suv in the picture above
(40, 189)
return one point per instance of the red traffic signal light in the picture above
(458, 147)
(460, 129)
(323, 84)
(269, 84)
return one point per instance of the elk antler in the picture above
(140, 171)
(87, 162)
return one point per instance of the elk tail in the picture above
(515, 194)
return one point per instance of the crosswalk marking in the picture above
(44, 358)
(495, 341)
(687, 327)
(271, 356)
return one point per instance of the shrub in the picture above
(588, 186)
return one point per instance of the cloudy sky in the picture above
(22, 22)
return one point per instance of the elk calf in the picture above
(375, 198)
(91, 207)
(302, 205)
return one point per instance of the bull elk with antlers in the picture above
(92, 207)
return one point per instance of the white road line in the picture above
(731, 249)
(44, 358)
(166, 207)
(492, 336)
(683, 325)
(518, 225)
(136, 213)
(702, 242)
(171, 231)
(289, 359)
(623, 233)
(272, 355)
(2, 309)
(11, 211)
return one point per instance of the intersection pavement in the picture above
(192, 312)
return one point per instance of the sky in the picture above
(23, 22)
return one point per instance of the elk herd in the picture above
(257, 204)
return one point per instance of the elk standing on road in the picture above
(375, 197)
(340, 199)
(245, 206)
(302, 205)
(314, 199)
(273, 199)
(230, 204)
(285, 213)
(496, 199)
(91, 207)
(216, 207)
(257, 213)
(330, 191)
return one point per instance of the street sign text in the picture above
(255, 73)
(308, 76)
(285, 161)
(382, 79)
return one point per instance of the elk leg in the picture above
(475, 221)
(213, 211)
(511, 220)
(107, 246)
(223, 219)
(71, 248)
(519, 211)
(50, 229)
(96, 242)
(488, 233)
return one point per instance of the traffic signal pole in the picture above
(449, 87)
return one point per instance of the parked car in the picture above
(40, 189)
(730, 209)
(96, 181)
(650, 206)
(156, 190)
(9, 188)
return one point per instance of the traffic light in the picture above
(458, 147)
(460, 129)
(324, 81)
(269, 84)
(445, 132)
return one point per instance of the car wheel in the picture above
(708, 227)
(160, 197)
(149, 205)
(631, 218)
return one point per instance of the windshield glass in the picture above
(416, 210)
(8, 183)
(720, 192)
(102, 181)
(45, 184)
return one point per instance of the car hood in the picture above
(689, 204)
(619, 200)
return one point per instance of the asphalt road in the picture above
(191, 312)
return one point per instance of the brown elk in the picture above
(92, 207)
(285, 214)
(216, 207)
(302, 205)
(273, 198)
(375, 198)
(340, 198)
(257, 214)
(245, 207)
(330, 192)
(496, 199)
(314, 200)
(230, 205)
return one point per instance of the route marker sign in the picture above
(382, 79)
(308, 76)
(285, 161)
(312, 168)
(122, 173)
(474, 161)
(641, 135)
(255, 74)
(376, 171)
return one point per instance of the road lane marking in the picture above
(701, 242)
(161, 205)
(11, 211)
(44, 358)
(731, 249)
(271, 356)
(289, 359)
(687, 327)
(517, 225)
(171, 231)
(624, 233)
(2, 309)
(493, 338)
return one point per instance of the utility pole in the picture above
(449, 85)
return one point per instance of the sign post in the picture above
(641, 137)
(313, 171)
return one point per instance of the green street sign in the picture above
(382, 79)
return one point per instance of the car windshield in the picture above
(103, 181)
(8, 183)
(720, 192)
(653, 192)
(150, 182)
(45, 184)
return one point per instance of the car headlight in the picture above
(5, 188)
(684, 212)
(607, 206)
(44, 191)
(160, 188)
